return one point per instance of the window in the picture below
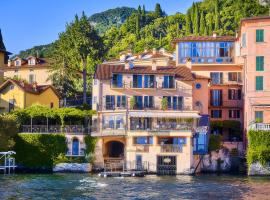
(235, 94)
(140, 123)
(17, 63)
(11, 87)
(11, 105)
(234, 114)
(31, 78)
(175, 102)
(149, 81)
(260, 35)
(216, 113)
(259, 83)
(95, 81)
(143, 140)
(137, 81)
(51, 105)
(168, 82)
(138, 102)
(31, 61)
(120, 122)
(117, 80)
(244, 40)
(259, 116)
(234, 76)
(121, 101)
(110, 102)
(148, 102)
(108, 122)
(216, 77)
(259, 63)
(216, 97)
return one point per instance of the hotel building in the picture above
(148, 114)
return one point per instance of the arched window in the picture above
(75, 146)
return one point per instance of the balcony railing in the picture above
(230, 103)
(260, 127)
(171, 148)
(67, 129)
(170, 126)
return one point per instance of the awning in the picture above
(163, 114)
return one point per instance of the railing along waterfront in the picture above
(171, 148)
(67, 129)
(260, 127)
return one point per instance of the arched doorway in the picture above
(115, 149)
(75, 146)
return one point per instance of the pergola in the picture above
(9, 161)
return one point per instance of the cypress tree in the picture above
(138, 26)
(143, 16)
(216, 15)
(188, 24)
(158, 11)
(139, 10)
(160, 40)
(2, 45)
(196, 20)
(202, 25)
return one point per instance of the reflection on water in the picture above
(83, 186)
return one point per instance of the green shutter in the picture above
(259, 63)
(259, 35)
(259, 83)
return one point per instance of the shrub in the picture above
(62, 158)
(8, 129)
(164, 103)
(39, 150)
(90, 143)
(214, 142)
(259, 147)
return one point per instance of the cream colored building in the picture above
(147, 114)
(31, 69)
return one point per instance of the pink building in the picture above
(255, 51)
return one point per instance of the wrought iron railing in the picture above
(171, 148)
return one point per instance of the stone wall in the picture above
(258, 169)
(73, 167)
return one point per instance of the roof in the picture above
(197, 76)
(4, 51)
(205, 39)
(29, 88)
(105, 71)
(41, 63)
(255, 18)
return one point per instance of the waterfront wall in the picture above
(73, 167)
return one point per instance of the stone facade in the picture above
(259, 169)
(73, 167)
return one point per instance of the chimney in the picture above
(9, 63)
(214, 34)
(154, 65)
(145, 50)
(35, 86)
(126, 64)
(188, 63)
(154, 51)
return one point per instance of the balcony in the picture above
(161, 127)
(260, 127)
(228, 104)
(67, 129)
(171, 148)
(142, 148)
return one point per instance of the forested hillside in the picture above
(127, 28)
(112, 17)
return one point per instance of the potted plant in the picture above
(164, 103)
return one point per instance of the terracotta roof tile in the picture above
(105, 71)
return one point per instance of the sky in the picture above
(27, 23)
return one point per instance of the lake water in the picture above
(84, 186)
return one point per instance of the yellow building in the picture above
(31, 69)
(3, 56)
(18, 94)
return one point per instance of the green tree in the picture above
(203, 29)
(216, 15)
(143, 16)
(2, 45)
(158, 11)
(80, 49)
(188, 24)
(196, 20)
